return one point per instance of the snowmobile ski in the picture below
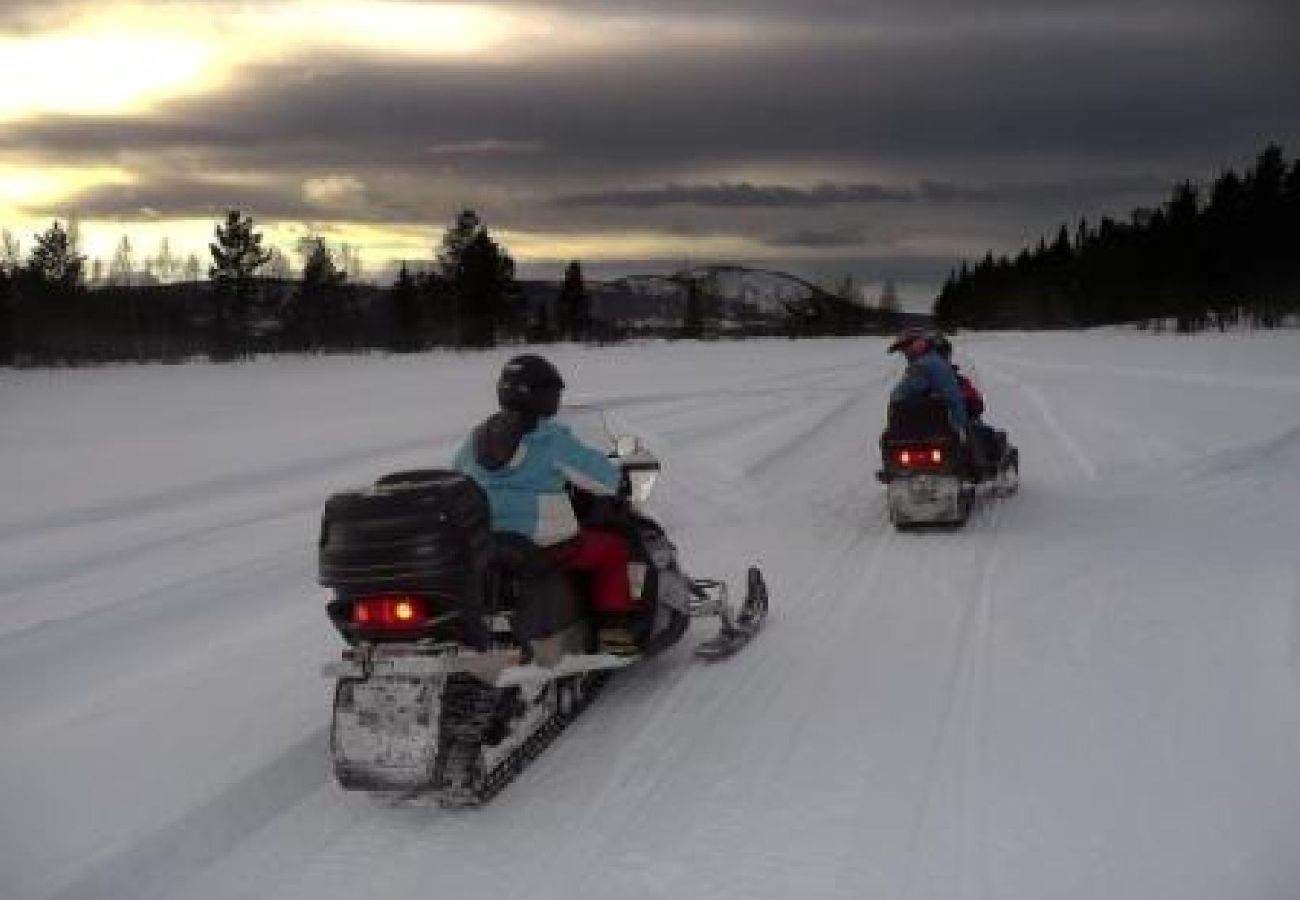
(735, 630)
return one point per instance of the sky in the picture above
(884, 140)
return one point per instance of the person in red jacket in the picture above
(991, 451)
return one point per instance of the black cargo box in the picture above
(425, 530)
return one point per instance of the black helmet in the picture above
(530, 384)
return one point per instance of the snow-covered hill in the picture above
(1093, 691)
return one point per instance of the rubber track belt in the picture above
(469, 709)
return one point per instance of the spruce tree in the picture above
(693, 317)
(573, 305)
(54, 261)
(7, 310)
(319, 313)
(237, 254)
(478, 278)
(405, 335)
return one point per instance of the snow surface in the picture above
(1093, 691)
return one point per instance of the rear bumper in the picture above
(500, 668)
(922, 498)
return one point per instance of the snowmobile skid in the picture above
(468, 653)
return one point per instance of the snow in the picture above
(1091, 691)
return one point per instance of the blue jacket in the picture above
(524, 464)
(931, 374)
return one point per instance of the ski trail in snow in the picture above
(159, 865)
(659, 746)
(958, 748)
(1044, 408)
(657, 710)
(1286, 385)
(1010, 710)
(45, 574)
(216, 488)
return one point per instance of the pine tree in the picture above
(478, 277)
(166, 265)
(406, 334)
(573, 305)
(10, 252)
(888, 302)
(237, 254)
(693, 318)
(7, 310)
(46, 320)
(319, 313)
(54, 261)
(121, 270)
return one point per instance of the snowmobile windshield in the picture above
(589, 424)
(597, 428)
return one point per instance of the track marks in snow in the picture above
(44, 574)
(1044, 408)
(214, 489)
(958, 755)
(160, 865)
(1279, 384)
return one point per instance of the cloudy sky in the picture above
(882, 138)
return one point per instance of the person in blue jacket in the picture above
(929, 374)
(523, 459)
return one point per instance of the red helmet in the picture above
(912, 341)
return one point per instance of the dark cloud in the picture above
(819, 239)
(738, 195)
(772, 196)
(992, 125)
(935, 109)
(165, 197)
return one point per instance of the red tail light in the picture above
(390, 612)
(920, 457)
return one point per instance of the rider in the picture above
(986, 437)
(928, 373)
(969, 392)
(523, 459)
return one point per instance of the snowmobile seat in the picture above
(921, 419)
(544, 598)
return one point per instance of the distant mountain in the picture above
(732, 297)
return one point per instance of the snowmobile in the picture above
(927, 471)
(467, 651)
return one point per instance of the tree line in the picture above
(251, 303)
(52, 313)
(1206, 258)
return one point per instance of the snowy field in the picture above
(1093, 691)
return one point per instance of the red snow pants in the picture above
(605, 555)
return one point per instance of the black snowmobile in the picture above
(931, 477)
(468, 652)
